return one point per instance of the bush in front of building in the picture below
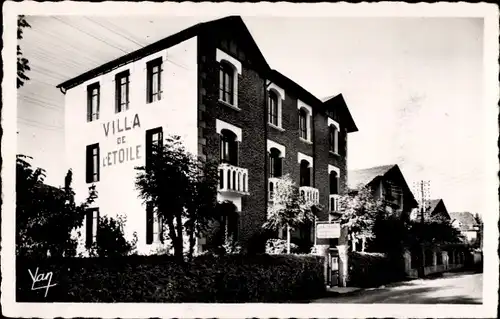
(111, 239)
(279, 246)
(208, 278)
(372, 269)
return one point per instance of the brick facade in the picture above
(252, 119)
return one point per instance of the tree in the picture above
(360, 210)
(111, 241)
(22, 62)
(45, 215)
(288, 209)
(182, 189)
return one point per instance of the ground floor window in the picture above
(439, 259)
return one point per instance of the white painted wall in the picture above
(176, 112)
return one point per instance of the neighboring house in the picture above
(211, 85)
(387, 183)
(435, 208)
(467, 224)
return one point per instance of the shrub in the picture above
(208, 278)
(371, 269)
(111, 239)
(278, 246)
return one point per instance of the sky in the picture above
(414, 87)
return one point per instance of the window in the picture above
(154, 142)
(91, 225)
(93, 98)
(92, 160)
(333, 138)
(305, 173)
(226, 83)
(273, 108)
(154, 225)
(122, 91)
(334, 183)
(228, 147)
(303, 123)
(154, 69)
(275, 163)
(230, 224)
(334, 203)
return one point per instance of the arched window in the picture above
(303, 123)
(228, 148)
(305, 173)
(273, 108)
(334, 183)
(333, 138)
(226, 82)
(275, 167)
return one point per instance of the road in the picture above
(451, 288)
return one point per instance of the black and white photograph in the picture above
(250, 160)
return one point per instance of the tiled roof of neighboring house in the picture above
(466, 219)
(365, 176)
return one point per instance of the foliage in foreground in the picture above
(45, 215)
(111, 240)
(279, 246)
(230, 278)
(372, 269)
(182, 189)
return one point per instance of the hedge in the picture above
(372, 269)
(230, 278)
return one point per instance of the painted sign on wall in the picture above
(123, 153)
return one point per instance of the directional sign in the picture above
(330, 230)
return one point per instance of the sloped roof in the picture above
(338, 101)
(466, 219)
(324, 99)
(431, 205)
(366, 175)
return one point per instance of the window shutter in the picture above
(160, 228)
(148, 84)
(97, 225)
(89, 105)
(98, 168)
(149, 223)
(98, 100)
(88, 165)
(88, 228)
(117, 93)
(160, 69)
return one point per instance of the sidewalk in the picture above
(342, 290)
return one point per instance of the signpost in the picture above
(328, 230)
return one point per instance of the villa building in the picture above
(211, 85)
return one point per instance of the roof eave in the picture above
(339, 100)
